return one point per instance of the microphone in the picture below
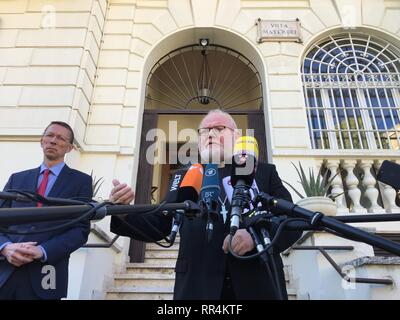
(209, 196)
(261, 221)
(389, 173)
(187, 188)
(172, 195)
(191, 184)
(244, 160)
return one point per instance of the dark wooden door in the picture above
(144, 182)
(256, 121)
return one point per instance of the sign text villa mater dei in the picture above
(278, 30)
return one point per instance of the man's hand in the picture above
(36, 252)
(242, 242)
(121, 193)
(19, 254)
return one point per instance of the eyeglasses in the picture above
(51, 135)
(216, 129)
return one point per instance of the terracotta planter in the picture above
(321, 204)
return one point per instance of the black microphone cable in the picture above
(151, 226)
(38, 198)
(273, 241)
(85, 215)
(35, 197)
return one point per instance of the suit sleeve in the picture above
(277, 189)
(63, 244)
(5, 204)
(142, 226)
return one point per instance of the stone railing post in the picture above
(337, 185)
(352, 185)
(369, 183)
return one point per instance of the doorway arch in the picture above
(200, 78)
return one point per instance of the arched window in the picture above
(352, 91)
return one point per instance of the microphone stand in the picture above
(209, 212)
(260, 222)
(314, 221)
(241, 199)
(22, 196)
(318, 220)
(16, 216)
(178, 218)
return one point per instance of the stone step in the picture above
(153, 246)
(139, 296)
(177, 240)
(144, 279)
(155, 293)
(160, 261)
(164, 266)
(154, 279)
(161, 254)
(160, 268)
(140, 293)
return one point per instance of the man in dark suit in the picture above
(207, 270)
(36, 266)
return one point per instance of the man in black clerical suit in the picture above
(207, 270)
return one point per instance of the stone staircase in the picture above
(154, 279)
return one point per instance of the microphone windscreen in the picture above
(176, 180)
(210, 187)
(191, 184)
(193, 177)
(245, 155)
(246, 145)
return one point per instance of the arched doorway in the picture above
(200, 78)
(183, 85)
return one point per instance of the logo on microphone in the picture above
(211, 172)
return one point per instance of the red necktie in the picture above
(43, 185)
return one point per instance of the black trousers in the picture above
(18, 287)
(227, 288)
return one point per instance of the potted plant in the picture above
(96, 184)
(316, 196)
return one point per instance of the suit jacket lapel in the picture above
(61, 181)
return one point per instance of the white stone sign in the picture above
(278, 30)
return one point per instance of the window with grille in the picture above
(352, 92)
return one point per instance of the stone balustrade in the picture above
(362, 192)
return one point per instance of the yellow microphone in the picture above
(246, 145)
(244, 160)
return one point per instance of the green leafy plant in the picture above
(313, 186)
(96, 184)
